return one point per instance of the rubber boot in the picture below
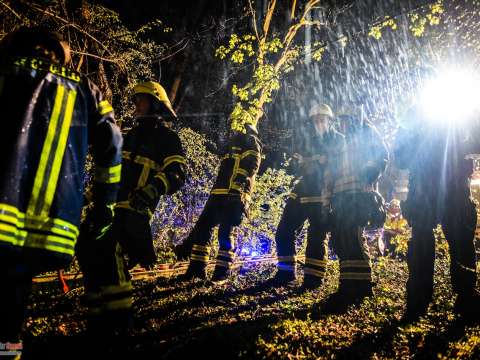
(195, 270)
(311, 282)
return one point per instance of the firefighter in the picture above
(226, 205)
(434, 152)
(310, 199)
(355, 203)
(153, 165)
(54, 113)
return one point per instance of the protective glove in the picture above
(98, 221)
(142, 253)
(143, 198)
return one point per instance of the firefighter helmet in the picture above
(321, 109)
(157, 91)
(33, 41)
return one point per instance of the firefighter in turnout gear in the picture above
(153, 165)
(226, 205)
(439, 193)
(310, 199)
(355, 204)
(54, 114)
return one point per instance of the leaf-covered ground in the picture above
(243, 319)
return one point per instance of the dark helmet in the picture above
(37, 41)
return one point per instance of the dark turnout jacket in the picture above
(51, 115)
(239, 166)
(152, 155)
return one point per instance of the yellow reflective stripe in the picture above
(286, 258)
(165, 181)
(234, 172)
(197, 247)
(59, 153)
(316, 262)
(355, 276)
(292, 196)
(250, 153)
(12, 235)
(313, 199)
(41, 64)
(12, 215)
(65, 225)
(201, 258)
(219, 191)
(108, 175)
(222, 263)
(12, 220)
(123, 204)
(47, 145)
(227, 253)
(355, 263)
(48, 225)
(314, 272)
(104, 107)
(237, 187)
(171, 159)
(242, 172)
(53, 226)
(142, 160)
(50, 242)
(148, 164)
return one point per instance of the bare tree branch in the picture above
(13, 12)
(254, 16)
(70, 24)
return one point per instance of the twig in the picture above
(96, 57)
(13, 11)
(294, 5)
(174, 53)
(254, 16)
(71, 24)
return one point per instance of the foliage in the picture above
(271, 55)
(112, 55)
(245, 319)
(418, 20)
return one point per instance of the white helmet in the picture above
(321, 109)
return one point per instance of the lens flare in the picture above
(452, 96)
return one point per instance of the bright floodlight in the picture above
(452, 95)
